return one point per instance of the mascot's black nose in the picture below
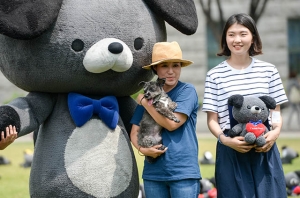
(115, 48)
(257, 108)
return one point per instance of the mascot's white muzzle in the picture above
(109, 53)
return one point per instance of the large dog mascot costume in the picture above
(80, 61)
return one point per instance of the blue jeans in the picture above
(187, 188)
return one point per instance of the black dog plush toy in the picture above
(81, 61)
(250, 112)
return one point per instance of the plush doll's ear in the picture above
(27, 19)
(161, 81)
(181, 14)
(236, 100)
(269, 101)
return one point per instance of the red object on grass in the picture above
(296, 190)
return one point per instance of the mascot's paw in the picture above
(8, 116)
(250, 138)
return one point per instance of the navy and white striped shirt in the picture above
(258, 79)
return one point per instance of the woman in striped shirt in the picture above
(244, 170)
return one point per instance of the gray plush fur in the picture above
(150, 132)
(95, 48)
(250, 108)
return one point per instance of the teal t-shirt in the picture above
(180, 161)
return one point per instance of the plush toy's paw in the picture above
(232, 133)
(8, 116)
(250, 138)
(260, 141)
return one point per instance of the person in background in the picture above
(176, 171)
(8, 136)
(293, 93)
(243, 170)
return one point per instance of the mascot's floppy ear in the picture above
(181, 14)
(269, 101)
(27, 19)
(236, 100)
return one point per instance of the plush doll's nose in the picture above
(115, 48)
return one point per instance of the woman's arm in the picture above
(272, 135)
(236, 143)
(166, 123)
(276, 121)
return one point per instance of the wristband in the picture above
(139, 152)
(219, 140)
(142, 100)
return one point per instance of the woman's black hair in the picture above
(154, 71)
(248, 22)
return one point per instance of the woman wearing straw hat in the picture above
(176, 171)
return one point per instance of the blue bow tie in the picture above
(255, 123)
(83, 108)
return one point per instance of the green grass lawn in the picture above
(14, 179)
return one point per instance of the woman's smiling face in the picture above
(170, 71)
(239, 39)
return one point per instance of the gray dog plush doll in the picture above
(251, 112)
(80, 61)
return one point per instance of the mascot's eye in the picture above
(138, 43)
(262, 108)
(248, 107)
(77, 45)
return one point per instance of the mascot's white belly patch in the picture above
(98, 160)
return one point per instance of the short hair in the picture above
(248, 22)
(153, 70)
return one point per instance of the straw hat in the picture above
(167, 52)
